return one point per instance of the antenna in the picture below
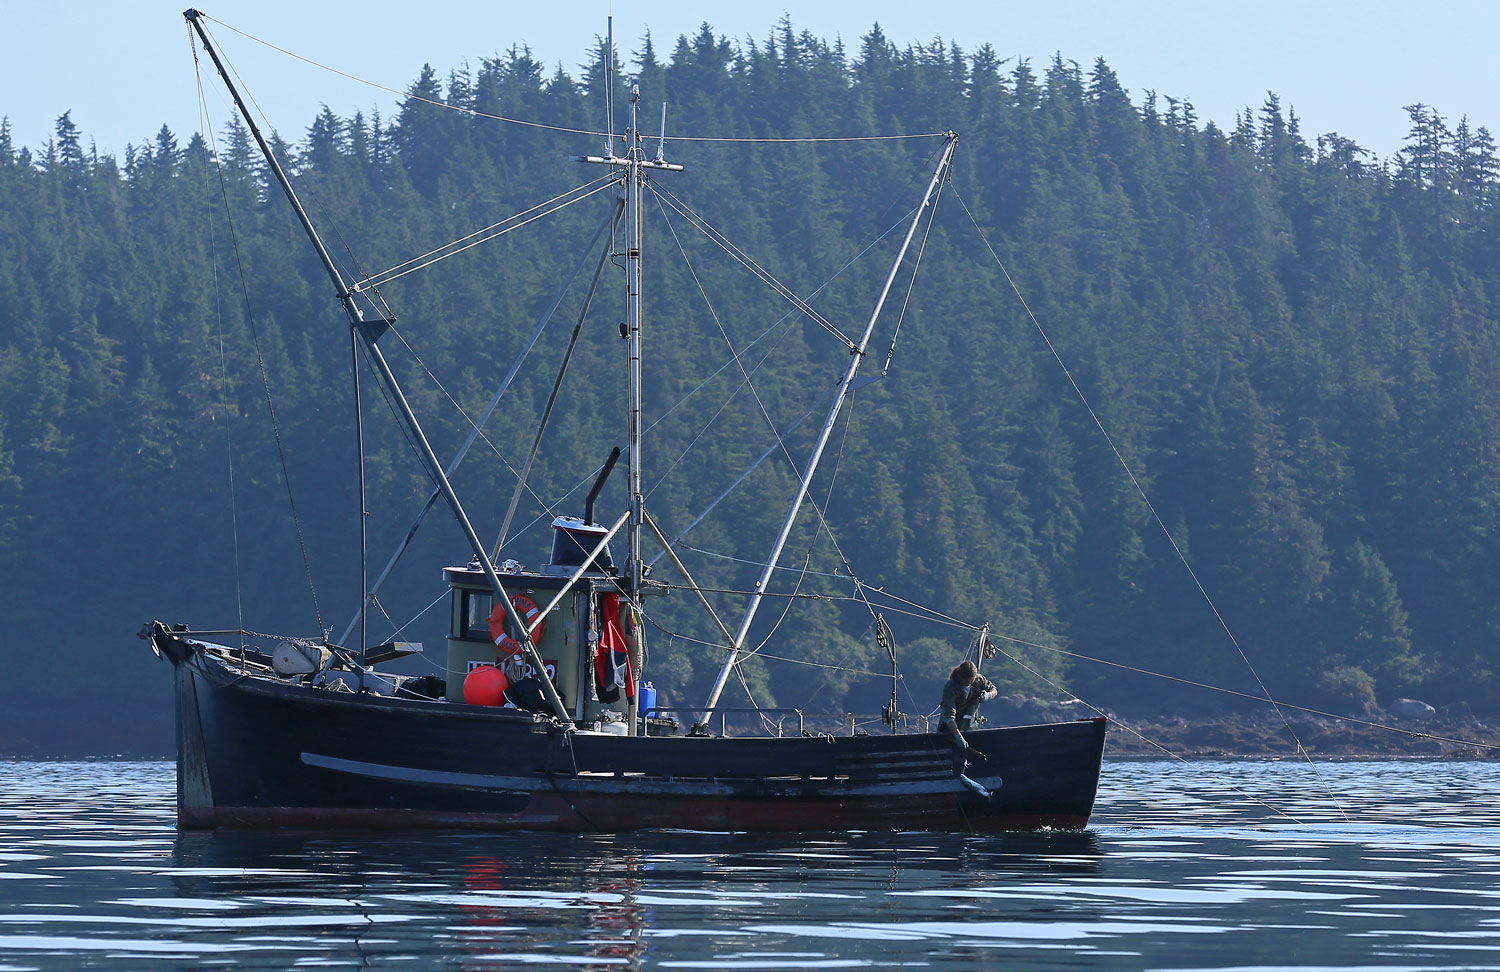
(661, 146)
(609, 89)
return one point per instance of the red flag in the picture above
(612, 657)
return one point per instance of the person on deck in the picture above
(966, 688)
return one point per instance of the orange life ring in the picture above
(530, 614)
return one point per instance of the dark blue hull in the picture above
(259, 751)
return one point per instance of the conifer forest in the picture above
(1289, 351)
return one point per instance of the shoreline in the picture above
(1259, 737)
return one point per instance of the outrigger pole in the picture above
(369, 332)
(856, 356)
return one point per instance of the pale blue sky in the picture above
(124, 67)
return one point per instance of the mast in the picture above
(632, 168)
(633, 152)
(369, 332)
(946, 159)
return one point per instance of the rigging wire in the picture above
(401, 629)
(858, 587)
(539, 211)
(934, 616)
(734, 251)
(735, 359)
(475, 113)
(724, 243)
(787, 316)
(728, 342)
(771, 594)
(723, 367)
(261, 362)
(822, 517)
(460, 409)
(786, 608)
(916, 266)
(724, 494)
(206, 125)
(1141, 491)
(1250, 696)
(821, 510)
(703, 430)
(489, 410)
(765, 720)
(547, 508)
(562, 369)
(679, 636)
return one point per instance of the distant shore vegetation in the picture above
(1293, 345)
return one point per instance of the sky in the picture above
(124, 68)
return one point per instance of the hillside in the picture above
(1291, 344)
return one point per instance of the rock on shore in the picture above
(1268, 735)
(1416, 731)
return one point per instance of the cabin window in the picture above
(473, 615)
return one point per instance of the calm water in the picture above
(1216, 865)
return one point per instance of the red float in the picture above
(485, 685)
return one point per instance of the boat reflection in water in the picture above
(480, 897)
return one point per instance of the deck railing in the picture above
(773, 719)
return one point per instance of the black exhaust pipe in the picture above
(609, 467)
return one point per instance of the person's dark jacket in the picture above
(958, 697)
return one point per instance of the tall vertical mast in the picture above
(633, 174)
(632, 168)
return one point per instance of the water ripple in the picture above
(1181, 871)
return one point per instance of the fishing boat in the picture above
(309, 732)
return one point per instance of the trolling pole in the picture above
(369, 332)
(364, 513)
(951, 142)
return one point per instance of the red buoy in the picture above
(486, 685)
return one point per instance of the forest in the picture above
(1189, 415)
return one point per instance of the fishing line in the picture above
(1140, 490)
(206, 127)
(1254, 799)
(265, 381)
